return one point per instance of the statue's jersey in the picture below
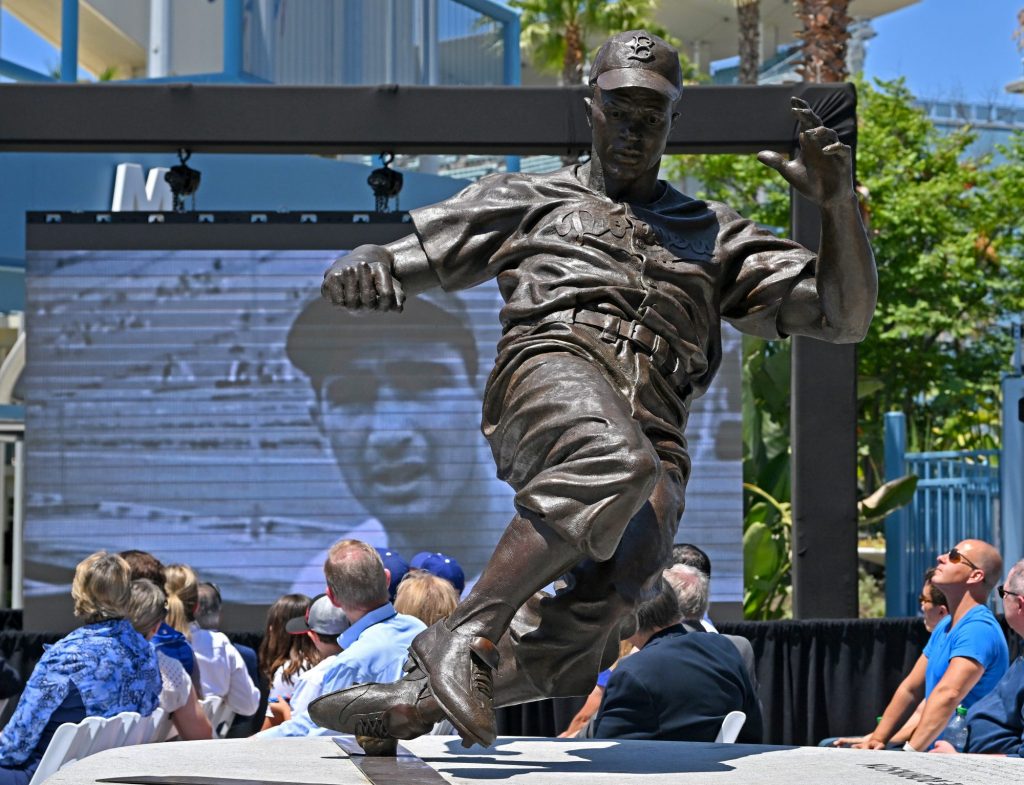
(676, 266)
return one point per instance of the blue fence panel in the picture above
(957, 498)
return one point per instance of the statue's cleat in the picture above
(460, 669)
(403, 709)
(378, 747)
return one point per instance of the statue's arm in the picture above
(838, 302)
(379, 277)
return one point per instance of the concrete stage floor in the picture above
(522, 761)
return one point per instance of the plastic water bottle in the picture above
(956, 731)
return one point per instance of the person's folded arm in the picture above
(958, 680)
(908, 695)
(190, 721)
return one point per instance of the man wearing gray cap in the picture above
(324, 622)
(615, 285)
(376, 638)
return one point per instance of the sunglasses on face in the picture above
(955, 557)
(1003, 592)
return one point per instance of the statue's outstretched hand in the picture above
(823, 171)
(363, 281)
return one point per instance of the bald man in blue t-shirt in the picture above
(966, 655)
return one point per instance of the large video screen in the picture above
(208, 407)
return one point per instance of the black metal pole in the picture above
(823, 428)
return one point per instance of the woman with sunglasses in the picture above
(964, 659)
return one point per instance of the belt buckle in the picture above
(610, 331)
(644, 338)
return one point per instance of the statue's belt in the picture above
(615, 328)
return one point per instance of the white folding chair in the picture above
(144, 730)
(222, 719)
(163, 727)
(731, 727)
(76, 740)
(218, 713)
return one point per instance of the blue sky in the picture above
(959, 49)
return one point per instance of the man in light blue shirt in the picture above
(376, 646)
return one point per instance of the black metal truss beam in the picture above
(368, 120)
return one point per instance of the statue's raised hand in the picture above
(823, 170)
(363, 281)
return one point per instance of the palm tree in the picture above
(825, 36)
(555, 33)
(748, 22)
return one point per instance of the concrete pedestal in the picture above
(319, 761)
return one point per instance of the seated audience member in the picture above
(284, 657)
(995, 724)
(593, 701)
(10, 681)
(397, 568)
(679, 685)
(933, 610)
(100, 669)
(222, 671)
(208, 606)
(426, 596)
(375, 647)
(934, 607)
(441, 565)
(692, 590)
(683, 554)
(167, 639)
(145, 611)
(320, 626)
(691, 556)
(964, 659)
(208, 616)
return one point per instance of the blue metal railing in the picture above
(957, 498)
(343, 42)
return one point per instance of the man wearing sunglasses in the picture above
(964, 659)
(995, 724)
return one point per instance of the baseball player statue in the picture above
(615, 285)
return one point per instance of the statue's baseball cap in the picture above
(637, 58)
(322, 617)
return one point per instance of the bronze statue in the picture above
(615, 285)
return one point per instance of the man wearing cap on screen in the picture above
(397, 401)
(615, 285)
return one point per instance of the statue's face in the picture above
(630, 127)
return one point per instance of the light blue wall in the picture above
(85, 181)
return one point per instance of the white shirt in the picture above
(282, 686)
(176, 683)
(310, 685)
(222, 671)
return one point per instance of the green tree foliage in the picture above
(945, 228)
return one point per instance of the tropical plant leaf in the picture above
(888, 498)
